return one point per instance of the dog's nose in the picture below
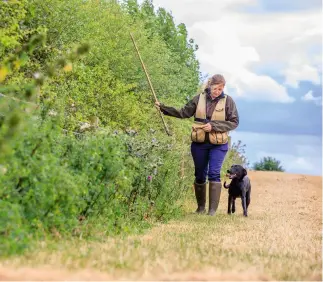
(228, 171)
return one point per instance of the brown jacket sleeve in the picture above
(231, 118)
(186, 112)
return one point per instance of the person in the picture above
(215, 114)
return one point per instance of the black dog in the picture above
(240, 187)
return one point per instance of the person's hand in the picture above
(157, 105)
(207, 127)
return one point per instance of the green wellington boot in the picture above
(214, 196)
(200, 194)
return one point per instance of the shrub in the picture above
(268, 164)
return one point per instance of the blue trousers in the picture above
(208, 159)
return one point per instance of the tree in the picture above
(268, 164)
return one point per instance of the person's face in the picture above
(216, 89)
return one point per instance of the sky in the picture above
(270, 52)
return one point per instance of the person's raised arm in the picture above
(186, 112)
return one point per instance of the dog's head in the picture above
(237, 171)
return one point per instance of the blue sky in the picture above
(270, 52)
(267, 6)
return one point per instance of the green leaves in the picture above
(102, 175)
(14, 237)
(77, 65)
(12, 13)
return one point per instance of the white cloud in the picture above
(191, 11)
(292, 41)
(308, 97)
(259, 87)
(237, 43)
(297, 73)
(231, 58)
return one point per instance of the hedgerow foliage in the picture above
(84, 151)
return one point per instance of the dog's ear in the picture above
(244, 173)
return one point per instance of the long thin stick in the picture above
(150, 84)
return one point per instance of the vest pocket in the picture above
(218, 137)
(198, 135)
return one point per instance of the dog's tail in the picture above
(225, 185)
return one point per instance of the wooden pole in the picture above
(150, 84)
